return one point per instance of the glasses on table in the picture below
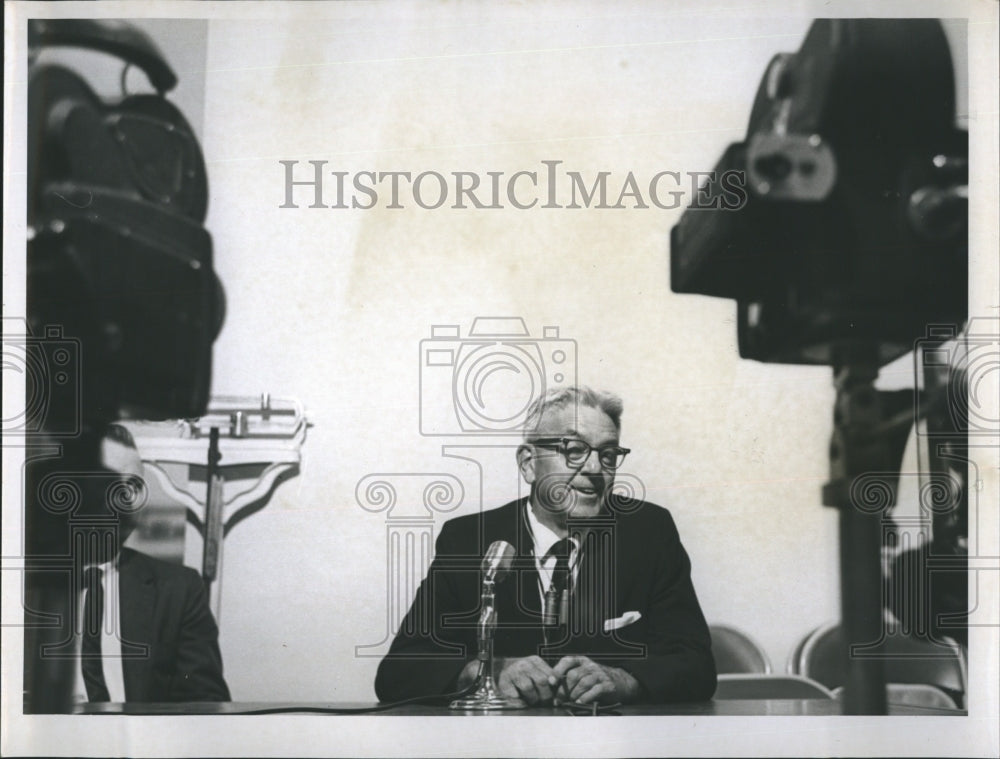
(576, 709)
(576, 452)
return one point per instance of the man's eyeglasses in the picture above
(576, 452)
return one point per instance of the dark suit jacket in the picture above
(632, 561)
(170, 642)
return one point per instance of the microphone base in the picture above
(487, 698)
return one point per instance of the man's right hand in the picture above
(528, 678)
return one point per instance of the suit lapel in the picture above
(137, 602)
(529, 600)
(518, 602)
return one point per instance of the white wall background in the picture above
(330, 305)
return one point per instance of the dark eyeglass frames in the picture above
(576, 452)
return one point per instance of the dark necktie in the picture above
(561, 549)
(557, 595)
(90, 649)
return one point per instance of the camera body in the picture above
(855, 226)
(117, 255)
(484, 383)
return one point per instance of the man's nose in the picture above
(592, 464)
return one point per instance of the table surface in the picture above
(734, 708)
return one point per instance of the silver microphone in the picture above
(486, 696)
(497, 561)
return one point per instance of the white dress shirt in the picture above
(111, 646)
(543, 539)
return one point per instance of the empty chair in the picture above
(736, 652)
(912, 694)
(919, 694)
(822, 656)
(755, 686)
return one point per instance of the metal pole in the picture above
(857, 450)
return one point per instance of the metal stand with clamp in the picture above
(260, 435)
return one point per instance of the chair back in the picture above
(749, 686)
(823, 657)
(912, 694)
(736, 652)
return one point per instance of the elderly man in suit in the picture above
(600, 607)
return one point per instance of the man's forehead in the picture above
(120, 458)
(574, 420)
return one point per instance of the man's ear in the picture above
(526, 462)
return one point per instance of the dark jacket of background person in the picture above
(164, 607)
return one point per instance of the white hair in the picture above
(559, 397)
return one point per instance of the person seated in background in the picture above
(599, 605)
(145, 631)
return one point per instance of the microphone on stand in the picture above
(497, 562)
(495, 567)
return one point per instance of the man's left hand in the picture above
(586, 681)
